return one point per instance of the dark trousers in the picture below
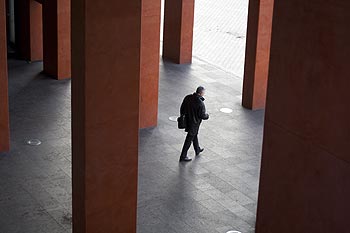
(189, 139)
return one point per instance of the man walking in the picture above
(194, 110)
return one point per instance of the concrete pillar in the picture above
(257, 53)
(4, 108)
(178, 30)
(57, 38)
(106, 61)
(149, 83)
(305, 173)
(29, 31)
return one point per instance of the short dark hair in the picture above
(200, 89)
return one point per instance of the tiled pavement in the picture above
(220, 33)
(215, 192)
(35, 182)
(218, 190)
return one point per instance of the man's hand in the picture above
(205, 116)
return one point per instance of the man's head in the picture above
(200, 91)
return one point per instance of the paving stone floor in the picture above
(214, 193)
(220, 33)
(218, 190)
(35, 182)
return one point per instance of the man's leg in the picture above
(196, 144)
(197, 149)
(187, 145)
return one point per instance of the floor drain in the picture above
(34, 142)
(226, 110)
(173, 118)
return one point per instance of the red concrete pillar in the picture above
(305, 173)
(149, 83)
(178, 30)
(4, 108)
(29, 32)
(257, 53)
(106, 61)
(57, 38)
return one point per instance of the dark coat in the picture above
(194, 110)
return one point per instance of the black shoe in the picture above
(200, 151)
(185, 159)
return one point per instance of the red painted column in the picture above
(29, 32)
(305, 173)
(178, 30)
(149, 82)
(257, 53)
(57, 38)
(4, 108)
(106, 62)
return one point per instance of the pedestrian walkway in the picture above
(220, 33)
(218, 190)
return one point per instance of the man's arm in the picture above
(203, 114)
(182, 108)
